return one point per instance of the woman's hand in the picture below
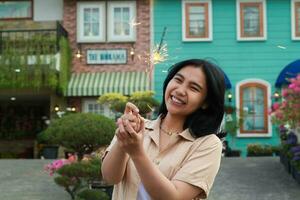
(130, 130)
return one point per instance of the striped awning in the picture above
(96, 84)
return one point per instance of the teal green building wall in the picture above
(240, 60)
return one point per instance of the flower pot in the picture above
(286, 162)
(108, 189)
(50, 152)
(295, 173)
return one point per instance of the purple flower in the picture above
(291, 138)
(296, 158)
(295, 149)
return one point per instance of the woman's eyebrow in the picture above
(192, 82)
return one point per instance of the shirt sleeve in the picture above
(113, 141)
(201, 166)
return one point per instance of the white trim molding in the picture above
(269, 124)
(293, 20)
(210, 21)
(80, 17)
(238, 17)
(131, 5)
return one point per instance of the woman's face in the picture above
(186, 91)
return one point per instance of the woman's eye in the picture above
(177, 79)
(195, 89)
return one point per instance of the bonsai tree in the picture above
(144, 100)
(116, 101)
(76, 177)
(81, 132)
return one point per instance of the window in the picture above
(295, 19)
(92, 106)
(197, 20)
(16, 10)
(251, 19)
(90, 22)
(121, 16)
(253, 102)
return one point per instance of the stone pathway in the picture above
(254, 178)
(238, 179)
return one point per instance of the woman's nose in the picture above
(181, 91)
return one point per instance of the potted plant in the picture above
(82, 133)
(259, 150)
(76, 176)
(295, 163)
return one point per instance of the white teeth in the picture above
(177, 100)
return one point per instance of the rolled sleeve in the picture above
(113, 141)
(201, 167)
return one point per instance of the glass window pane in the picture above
(86, 15)
(15, 9)
(197, 21)
(122, 21)
(95, 15)
(117, 14)
(95, 28)
(253, 109)
(251, 21)
(87, 29)
(126, 14)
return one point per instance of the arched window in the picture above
(253, 102)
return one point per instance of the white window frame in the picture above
(210, 21)
(238, 17)
(80, 26)
(237, 91)
(107, 112)
(293, 20)
(111, 37)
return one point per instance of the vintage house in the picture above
(111, 41)
(253, 41)
(33, 71)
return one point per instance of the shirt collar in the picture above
(153, 127)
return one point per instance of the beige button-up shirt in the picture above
(192, 160)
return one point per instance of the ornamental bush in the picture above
(287, 112)
(82, 133)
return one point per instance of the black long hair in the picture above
(203, 121)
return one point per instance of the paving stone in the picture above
(257, 178)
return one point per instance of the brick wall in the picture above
(141, 45)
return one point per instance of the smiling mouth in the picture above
(177, 101)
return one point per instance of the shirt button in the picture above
(156, 161)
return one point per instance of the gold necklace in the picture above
(167, 132)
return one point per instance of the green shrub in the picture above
(259, 150)
(77, 176)
(92, 194)
(81, 132)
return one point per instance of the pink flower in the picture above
(297, 89)
(276, 106)
(51, 168)
(284, 92)
(292, 86)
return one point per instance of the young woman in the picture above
(176, 156)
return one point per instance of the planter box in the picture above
(295, 174)
(286, 162)
(108, 189)
(50, 152)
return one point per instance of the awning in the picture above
(227, 81)
(290, 71)
(96, 84)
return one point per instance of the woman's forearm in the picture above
(114, 165)
(153, 180)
